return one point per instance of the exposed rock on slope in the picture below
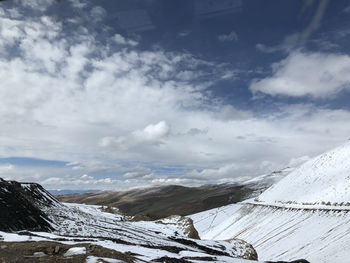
(183, 223)
(21, 204)
(250, 252)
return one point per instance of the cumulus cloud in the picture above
(40, 5)
(152, 134)
(318, 75)
(232, 36)
(97, 13)
(119, 39)
(78, 3)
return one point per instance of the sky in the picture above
(110, 95)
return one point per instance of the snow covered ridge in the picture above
(324, 180)
(39, 195)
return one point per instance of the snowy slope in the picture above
(323, 179)
(305, 215)
(260, 183)
(206, 221)
(269, 179)
(282, 234)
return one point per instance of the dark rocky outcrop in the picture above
(21, 206)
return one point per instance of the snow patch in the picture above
(75, 251)
(92, 259)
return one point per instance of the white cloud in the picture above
(319, 75)
(97, 13)
(152, 134)
(6, 168)
(232, 36)
(228, 112)
(84, 182)
(295, 162)
(266, 49)
(78, 3)
(184, 33)
(123, 41)
(138, 172)
(39, 5)
(72, 164)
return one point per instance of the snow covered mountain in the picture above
(322, 180)
(305, 215)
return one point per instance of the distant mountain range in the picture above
(162, 201)
(71, 192)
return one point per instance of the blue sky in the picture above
(119, 94)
